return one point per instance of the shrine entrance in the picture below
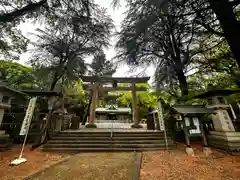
(113, 116)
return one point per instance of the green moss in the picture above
(91, 126)
(138, 126)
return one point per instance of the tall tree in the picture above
(212, 13)
(14, 12)
(151, 34)
(224, 11)
(12, 42)
(100, 66)
(63, 46)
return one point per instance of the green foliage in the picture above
(14, 12)
(74, 94)
(18, 76)
(12, 42)
(164, 36)
(62, 48)
(145, 100)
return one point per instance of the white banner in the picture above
(28, 116)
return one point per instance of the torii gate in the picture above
(96, 86)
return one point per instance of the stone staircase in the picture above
(92, 141)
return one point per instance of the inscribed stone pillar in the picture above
(94, 103)
(1, 116)
(134, 105)
(222, 121)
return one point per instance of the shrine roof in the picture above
(217, 92)
(4, 88)
(192, 109)
(41, 93)
(118, 79)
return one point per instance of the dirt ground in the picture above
(36, 160)
(176, 165)
(160, 165)
(92, 166)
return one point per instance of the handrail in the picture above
(112, 129)
(161, 122)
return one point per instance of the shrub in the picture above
(91, 126)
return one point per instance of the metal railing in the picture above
(111, 129)
(161, 122)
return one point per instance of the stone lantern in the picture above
(224, 135)
(221, 118)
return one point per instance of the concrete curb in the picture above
(33, 175)
(137, 166)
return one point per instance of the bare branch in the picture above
(8, 17)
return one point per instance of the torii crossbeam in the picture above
(98, 81)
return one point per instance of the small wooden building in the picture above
(7, 94)
(188, 118)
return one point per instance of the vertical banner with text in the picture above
(28, 116)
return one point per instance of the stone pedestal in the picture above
(134, 105)
(58, 124)
(229, 141)
(66, 122)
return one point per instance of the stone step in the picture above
(107, 138)
(101, 141)
(104, 145)
(108, 134)
(86, 141)
(76, 150)
(109, 131)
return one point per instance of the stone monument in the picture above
(224, 135)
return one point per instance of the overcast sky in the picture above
(117, 16)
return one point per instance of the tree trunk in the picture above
(231, 27)
(182, 82)
(53, 84)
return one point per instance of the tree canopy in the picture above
(18, 76)
(191, 43)
(62, 48)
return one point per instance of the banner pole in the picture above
(25, 129)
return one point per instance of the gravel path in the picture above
(176, 165)
(92, 166)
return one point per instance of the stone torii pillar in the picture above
(134, 106)
(94, 103)
(136, 119)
